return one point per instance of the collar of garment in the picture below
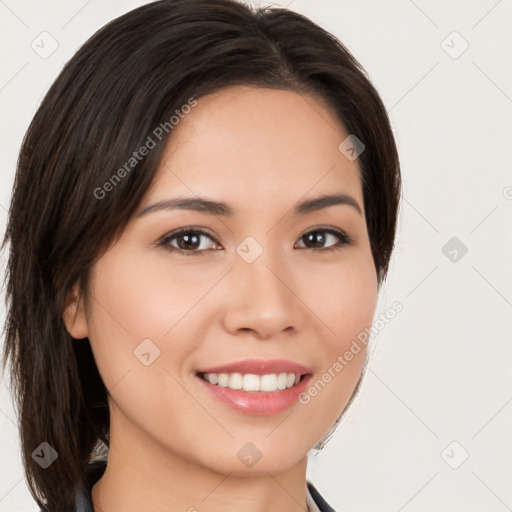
(94, 471)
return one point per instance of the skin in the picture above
(173, 446)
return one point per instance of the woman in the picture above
(203, 212)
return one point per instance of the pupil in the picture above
(190, 241)
(316, 237)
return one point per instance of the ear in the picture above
(74, 315)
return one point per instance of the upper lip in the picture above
(259, 367)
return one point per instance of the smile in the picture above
(252, 394)
(251, 382)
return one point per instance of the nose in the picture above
(263, 298)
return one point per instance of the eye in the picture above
(189, 241)
(320, 236)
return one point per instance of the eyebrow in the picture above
(211, 207)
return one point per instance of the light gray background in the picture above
(440, 371)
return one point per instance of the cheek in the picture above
(134, 307)
(135, 300)
(127, 308)
(141, 313)
(344, 298)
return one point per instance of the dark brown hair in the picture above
(126, 80)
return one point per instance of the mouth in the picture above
(265, 383)
(256, 386)
(253, 394)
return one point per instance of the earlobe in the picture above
(74, 315)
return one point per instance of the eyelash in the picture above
(343, 238)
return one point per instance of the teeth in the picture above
(252, 382)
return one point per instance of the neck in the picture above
(142, 474)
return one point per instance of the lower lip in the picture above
(258, 402)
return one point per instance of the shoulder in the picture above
(83, 502)
(319, 501)
(93, 473)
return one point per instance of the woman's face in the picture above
(264, 283)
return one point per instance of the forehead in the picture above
(256, 144)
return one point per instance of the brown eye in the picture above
(188, 241)
(317, 239)
(191, 241)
